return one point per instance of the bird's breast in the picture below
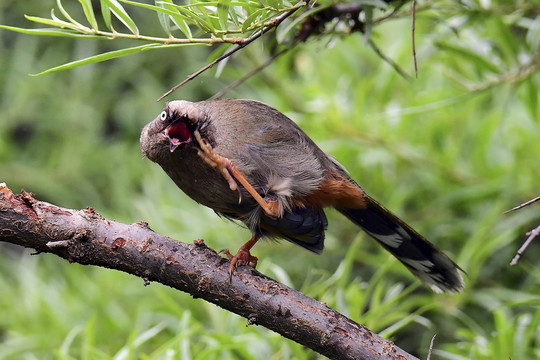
(205, 184)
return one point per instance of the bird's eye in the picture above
(163, 115)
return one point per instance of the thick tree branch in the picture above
(85, 237)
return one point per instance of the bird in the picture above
(250, 163)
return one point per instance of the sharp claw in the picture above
(227, 253)
(242, 257)
(231, 270)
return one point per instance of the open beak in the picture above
(178, 134)
(173, 143)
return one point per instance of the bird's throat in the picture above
(178, 134)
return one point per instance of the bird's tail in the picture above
(421, 257)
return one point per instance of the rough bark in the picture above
(85, 237)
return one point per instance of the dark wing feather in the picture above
(301, 226)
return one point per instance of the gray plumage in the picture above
(286, 167)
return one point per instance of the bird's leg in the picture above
(242, 257)
(230, 172)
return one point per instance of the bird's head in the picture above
(173, 128)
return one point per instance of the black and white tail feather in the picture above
(421, 257)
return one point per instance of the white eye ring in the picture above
(163, 115)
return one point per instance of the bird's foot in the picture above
(242, 257)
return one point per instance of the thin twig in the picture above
(391, 14)
(532, 234)
(431, 347)
(240, 45)
(251, 73)
(518, 76)
(413, 44)
(390, 62)
(523, 205)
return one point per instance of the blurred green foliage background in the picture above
(449, 152)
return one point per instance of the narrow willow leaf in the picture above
(508, 45)
(234, 17)
(58, 23)
(178, 19)
(481, 61)
(67, 16)
(159, 7)
(281, 33)
(118, 10)
(272, 3)
(204, 21)
(255, 17)
(164, 20)
(51, 32)
(183, 26)
(191, 16)
(223, 13)
(97, 58)
(110, 55)
(89, 13)
(106, 14)
(210, 15)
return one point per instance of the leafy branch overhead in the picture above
(198, 23)
(511, 58)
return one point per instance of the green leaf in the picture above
(178, 19)
(191, 16)
(281, 32)
(182, 25)
(223, 13)
(472, 56)
(160, 7)
(89, 13)
(51, 32)
(106, 13)
(234, 17)
(67, 16)
(508, 44)
(164, 21)
(108, 56)
(256, 15)
(118, 10)
(54, 22)
(163, 8)
(272, 3)
(204, 21)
